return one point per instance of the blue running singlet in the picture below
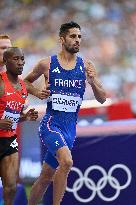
(58, 126)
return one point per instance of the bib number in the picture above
(65, 102)
(12, 116)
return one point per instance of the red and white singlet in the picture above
(11, 104)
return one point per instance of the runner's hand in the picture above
(90, 71)
(31, 115)
(6, 124)
(43, 94)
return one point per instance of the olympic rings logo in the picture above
(96, 188)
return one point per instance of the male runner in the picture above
(12, 99)
(66, 74)
(4, 44)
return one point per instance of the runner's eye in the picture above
(16, 58)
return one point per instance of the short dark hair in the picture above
(9, 51)
(66, 26)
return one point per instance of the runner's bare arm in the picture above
(92, 79)
(41, 68)
(1, 87)
(5, 124)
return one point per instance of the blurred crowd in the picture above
(108, 30)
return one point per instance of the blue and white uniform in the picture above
(58, 126)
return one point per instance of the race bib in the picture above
(67, 103)
(12, 116)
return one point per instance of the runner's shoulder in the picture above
(44, 63)
(1, 86)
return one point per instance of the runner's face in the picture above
(15, 62)
(4, 44)
(72, 40)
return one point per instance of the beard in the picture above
(72, 50)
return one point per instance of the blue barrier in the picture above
(104, 171)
